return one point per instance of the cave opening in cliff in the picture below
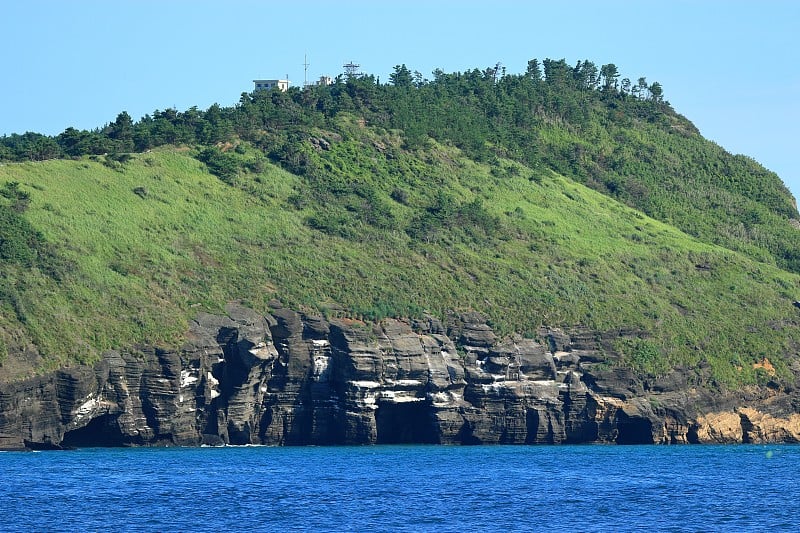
(101, 431)
(634, 430)
(405, 423)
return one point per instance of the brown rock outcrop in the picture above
(747, 425)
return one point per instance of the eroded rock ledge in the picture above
(291, 379)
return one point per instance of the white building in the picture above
(281, 85)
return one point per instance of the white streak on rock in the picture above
(365, 384)
(188, 378)
(212, 384)
(87, 407)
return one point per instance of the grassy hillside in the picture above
(136, 248)
(617, 136)
(559, 197)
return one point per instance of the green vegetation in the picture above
(562, 197)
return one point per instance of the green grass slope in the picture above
(129, 252)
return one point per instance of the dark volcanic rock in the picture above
(617, 382)
(471, 329)
(289, 378)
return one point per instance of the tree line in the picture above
(549, 84)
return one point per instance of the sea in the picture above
(404, 488)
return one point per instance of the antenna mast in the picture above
(305, 70)
(351, 70)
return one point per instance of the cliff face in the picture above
(290, 379)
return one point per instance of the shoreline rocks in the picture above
(291, 379)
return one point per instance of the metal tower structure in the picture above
(351, 70)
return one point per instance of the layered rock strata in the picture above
(292, 379)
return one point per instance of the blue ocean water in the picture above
(404, 488)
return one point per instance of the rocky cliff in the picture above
(291, 379)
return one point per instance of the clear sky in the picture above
(730, 66)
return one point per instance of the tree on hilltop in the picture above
(401, 77)
(656, 92)
(610, 74)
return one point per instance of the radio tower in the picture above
(305, 70)
(351, 70)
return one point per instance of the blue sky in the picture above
(730, 66)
